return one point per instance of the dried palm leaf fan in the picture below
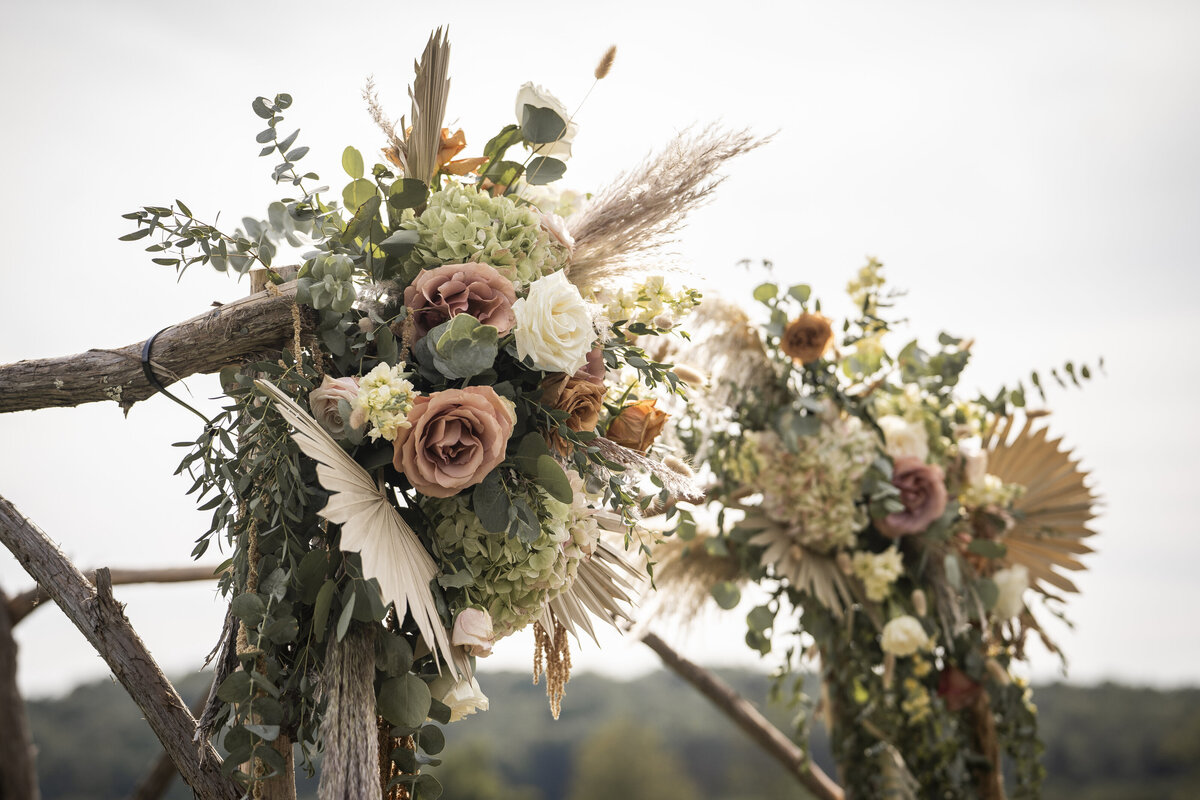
(1052, 514)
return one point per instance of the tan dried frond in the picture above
(371, 95)
(428, 93)
(1052, 514)
(606, 63)
(639, 214)
(684, 574)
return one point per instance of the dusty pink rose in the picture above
(557, 227)
(455, 438)
(594, 370)
(473, 630)
(438, 294)
(323, 401)
(923, 493)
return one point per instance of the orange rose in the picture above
(580, 397)
(637, 426)
(807, 337)
(456, 437)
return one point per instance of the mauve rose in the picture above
(594, 370)
(438, 294)
(923, 493)
(957, 690)
(323, 401)
(455, 438)
(473, 630)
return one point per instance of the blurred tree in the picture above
(624, 759)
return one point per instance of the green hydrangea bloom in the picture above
(510, 579)
(461, 223)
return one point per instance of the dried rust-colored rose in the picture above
(637, 426)
(456, 438)
(807, 337)
(579, 396)
(957, 690)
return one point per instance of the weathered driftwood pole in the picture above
(101, 619)
(18, 773)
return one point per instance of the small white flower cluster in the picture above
(878, 571)
(652, 303)
(384, 399)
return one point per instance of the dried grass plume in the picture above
(606, 63)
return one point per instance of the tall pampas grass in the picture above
(636, 217)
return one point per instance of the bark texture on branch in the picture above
(749, 719)
(18, 774)
(232, 333)
(27, 602)
(101, 619)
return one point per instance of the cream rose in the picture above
(454, 439)
(903, 636)
(463, 697)
(554, 325)
(974, 460)
(533, 95)
(473, 630)
(324, 403)
(904, 439)
(1012, 583)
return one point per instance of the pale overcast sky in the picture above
(1029, 171)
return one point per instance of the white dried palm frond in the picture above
(603, 588)
(806, 570)
(391, 552)
(419, 150)
(1052, 514)
(636, 216)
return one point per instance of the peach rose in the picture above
(323, 401)
(637, 426)
(923, 493)
(455, 438)
(577, 395)
(438, 294)
(807, 337)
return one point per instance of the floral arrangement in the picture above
(455, 445)
(896, 526)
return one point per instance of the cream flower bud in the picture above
(903, 636)
(920, 604)
(690, 375)
(903, 438)
(1012, 583)
(473, 630)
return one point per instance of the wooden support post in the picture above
(101, 619)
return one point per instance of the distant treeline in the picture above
(651, 738)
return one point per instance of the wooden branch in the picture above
(18, 775)
(27, 602)
(102, 621)
(162, 774)
(232, 333)
(749, 719)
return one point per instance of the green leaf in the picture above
(268, 733)
(491, 503)
(344, 620)
(407, 193)
(393, 655)
(541, 125)
(727, 594)
(504, 173)
(234, 688)
(456, 580)
(321, 608)
(531, 447)
(987, 548)
(766, 292)
(400, 243)
(543, 170)
(800, 292)
(404, 701)
(249, 608)
(138, 234)
(433, 740)
(552, 478)
(310, 574)
(260, 108)
(760, 618)
(352, 162)
(499, 144)
(358, 192)
(463, 347)
(988, 592)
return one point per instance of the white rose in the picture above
(903, 438)
(463, 697)
(1012, 583)
(554, 326)
(534, 95)
(904, 636)
(975, 461)
(473, 630)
